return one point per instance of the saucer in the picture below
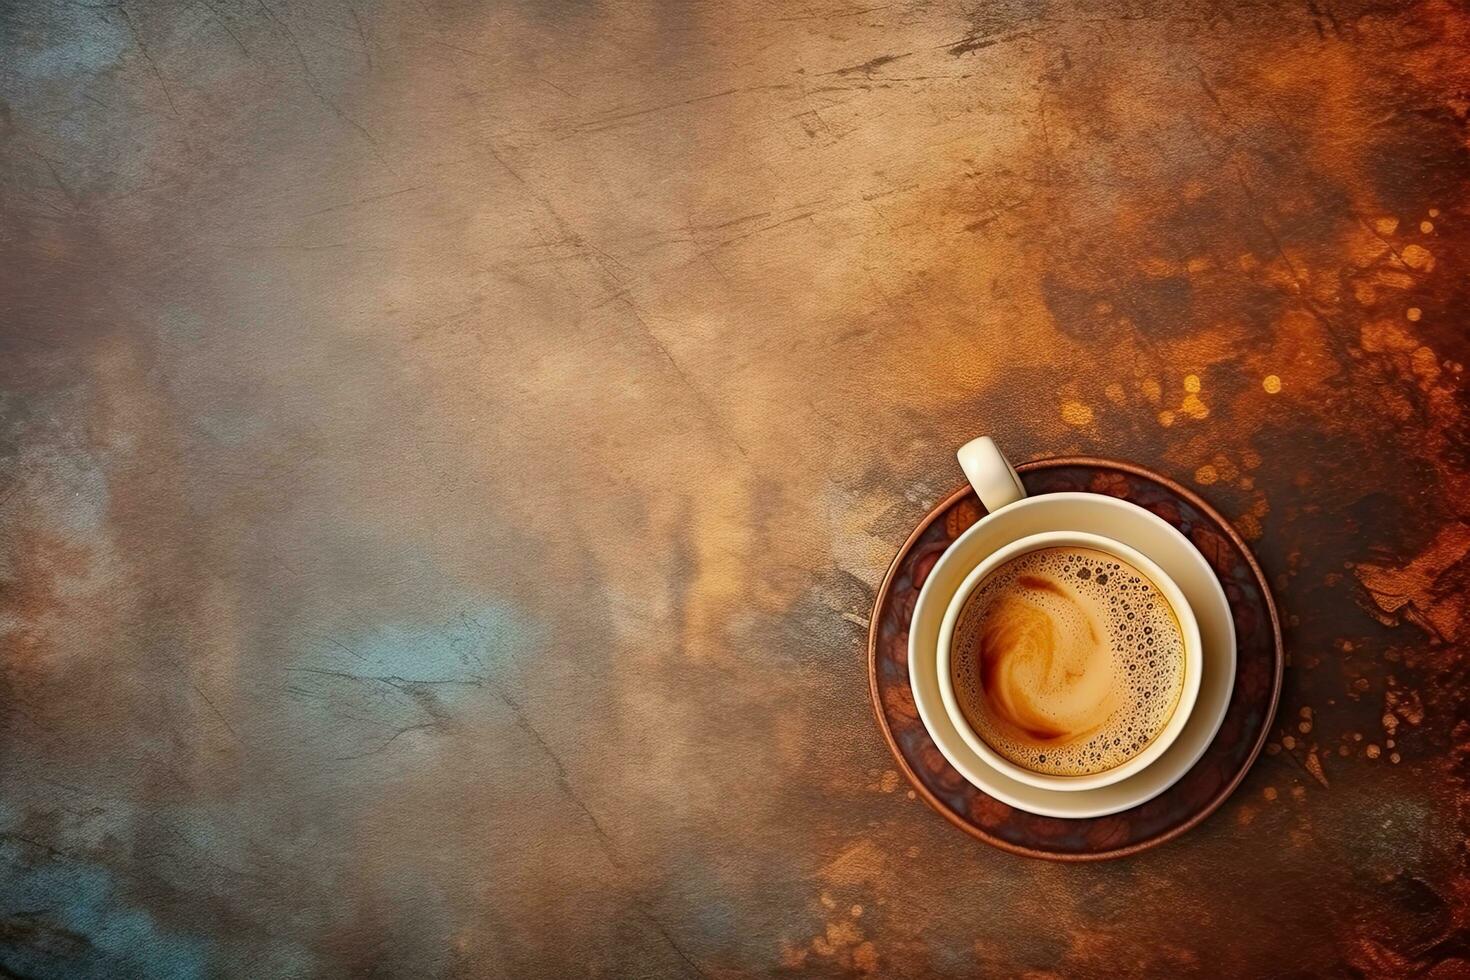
(1224, 734)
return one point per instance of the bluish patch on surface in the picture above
(88, 45)
(479, 642)
(67, 917)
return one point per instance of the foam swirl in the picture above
(1067, 661)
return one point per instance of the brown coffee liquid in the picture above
(1067, 661)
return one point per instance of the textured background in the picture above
(449, 451)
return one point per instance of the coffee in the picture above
(1067, 661)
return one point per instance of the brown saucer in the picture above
(1258, 665)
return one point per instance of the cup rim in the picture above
(1183, 614)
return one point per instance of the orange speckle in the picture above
(1386, 226)
(1191, 383)
(1269, 792)
(1166, 418)
(1426, 226)
(1418, 257)
(1373, 751)
(1306, 711)
(1305, 727)
(1151, 389)
(1076, 413)
(865, 958)
(1272, 384)
(1414, 313)
(1206, 475)
(1288, 743)
(1115, 393)
(1193, 407)
(1394, 758)
(1434, 212)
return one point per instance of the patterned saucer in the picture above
(1258, 667)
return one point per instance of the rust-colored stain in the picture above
(448, 453)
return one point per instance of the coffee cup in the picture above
(1067, 660)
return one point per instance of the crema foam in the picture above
(1067, 661)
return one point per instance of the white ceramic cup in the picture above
(995, 480)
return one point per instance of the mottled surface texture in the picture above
(449, 451)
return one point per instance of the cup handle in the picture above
(990, 473)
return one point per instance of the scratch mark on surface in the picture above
(600, 123)
(218, 19)
(604, 840)
(138, 40)
(976, 42)
(362, 200)
(367, 53)
(217, 713)
(314, 84)
(391, 738)
(869, 66)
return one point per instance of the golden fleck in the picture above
(1115, 393)
(1373, 751)
(1417, 257)
(1305, 727)
(890, 781)
(1200, 263)
(1193, 407)
(1288, 743)
(1386, 226)
(865, 958)
(1247, 484)
(912, 795)
(1388, 742)
(1166, 418)
(1206, 475)
(1102, 307)
(1269, 792)
(829, 901)
(1363, 293)
(1426, 226)
(1191, 383)
(842, 933)
(856, 911)
(1152, 390)
(1434, 212)
(1357, 736)
(1306, 712)
(1413, 313)
(1394, 758)
(1272, 384)
(1076, 413)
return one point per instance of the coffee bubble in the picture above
(1067, 661)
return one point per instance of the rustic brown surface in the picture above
(449, 451)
